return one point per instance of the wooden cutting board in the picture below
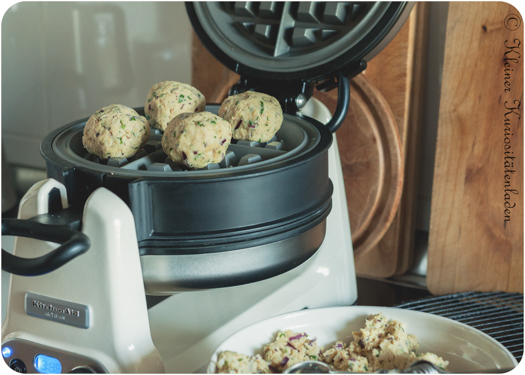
(398, 73)
(370, 150)
(476, 238)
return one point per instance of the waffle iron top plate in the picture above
(286, 41)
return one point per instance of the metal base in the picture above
(167, 274)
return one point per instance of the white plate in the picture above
(466, 348)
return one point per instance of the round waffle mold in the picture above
(260, 212)
(295, 137)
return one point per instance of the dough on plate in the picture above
(380, 344)
(115, 131)
(197, 139)
(290, 348)
(253, 115)
(167, 99)
(236, 363)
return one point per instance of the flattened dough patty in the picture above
(197, 139)
(253, 115)
(115, 131)
(167, 99)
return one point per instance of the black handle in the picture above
(343, 103)
(73, 244)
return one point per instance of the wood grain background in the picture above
(371, 160)
(470, 247)
(398, 73)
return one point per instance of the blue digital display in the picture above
(47, 365)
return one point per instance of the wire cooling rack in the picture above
(498, 314)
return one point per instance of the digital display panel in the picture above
(47, 365)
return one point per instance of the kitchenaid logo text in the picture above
(60, 310)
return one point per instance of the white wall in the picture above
(62, 61)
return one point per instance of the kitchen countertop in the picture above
(381, 292)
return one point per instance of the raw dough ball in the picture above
(167, 99)
(197, 139)
(115, 131)
(254, 116)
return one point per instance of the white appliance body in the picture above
(179, 334)
(103, 288)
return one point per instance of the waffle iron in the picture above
(284, 49)
(259, 214)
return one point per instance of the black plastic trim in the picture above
(343, 104)
(73, 244)
(210, 243)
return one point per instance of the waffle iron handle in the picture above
(343, 92)
(72, 244)
(343, 103)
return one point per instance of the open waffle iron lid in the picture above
(287, 41)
